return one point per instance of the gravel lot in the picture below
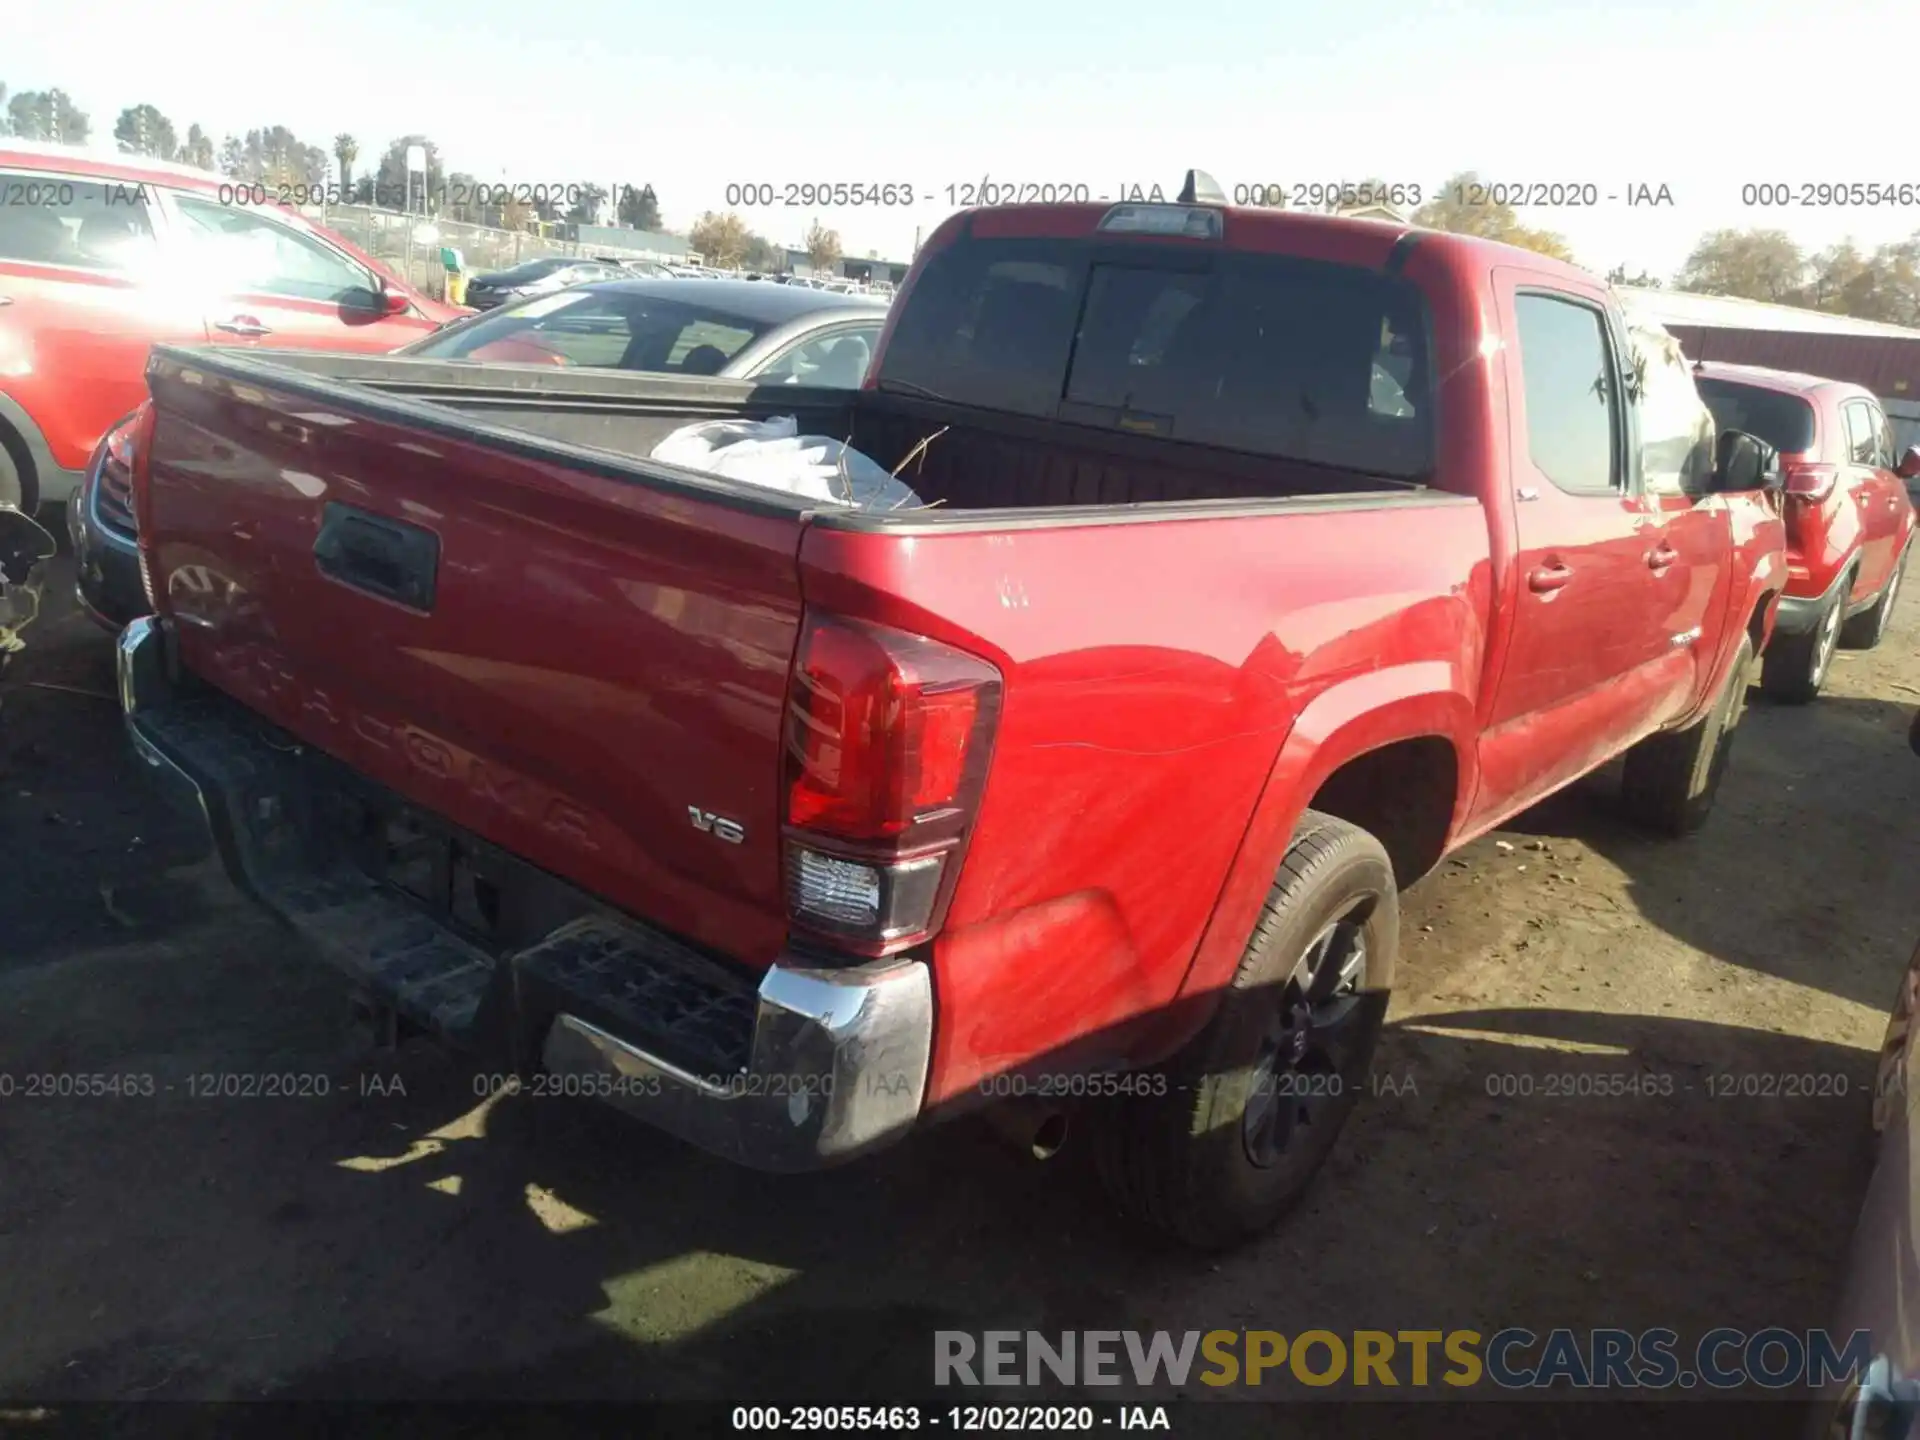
(391, 1239)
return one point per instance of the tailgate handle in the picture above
(379, 556)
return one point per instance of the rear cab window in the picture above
(1258, 353)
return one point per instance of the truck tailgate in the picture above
(581, 662)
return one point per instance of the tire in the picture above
(1255, 1101)
(1795, 666)
(1867, 629)
(1672, 778)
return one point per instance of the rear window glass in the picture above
(609, 329)
(1783, 421)
(1268, 354)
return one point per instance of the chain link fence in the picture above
(388, 236)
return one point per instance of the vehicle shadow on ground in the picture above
(1828, 790)
(555, 1251)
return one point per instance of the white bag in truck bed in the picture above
(773, 454)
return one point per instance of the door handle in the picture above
(1549, 578)
(6, 299)
(243, 325)
(1661, 556)
(383, 557)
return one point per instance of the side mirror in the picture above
(389, 301)
(1909, 465)
(1740, 463)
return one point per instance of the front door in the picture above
(270, 285)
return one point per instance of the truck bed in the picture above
(969, 461)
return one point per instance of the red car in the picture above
(1269, 558)
(1849, 520)
(103, 256)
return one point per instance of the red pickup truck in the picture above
(1268, 557)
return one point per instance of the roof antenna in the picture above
(1201, 189)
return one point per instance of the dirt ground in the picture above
(395, 1239)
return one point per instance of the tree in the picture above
(1889, 289)
(1465, 207)
(586, 209)
(346, 150)
(762, 254)
(5, 128)
(143, 130)
(274, 156)
(516, 214)
(390, 182)
(48, 115)
(722, 239)
(1748, 264)
(823, 247)
(1366, 194)
(462, 196)
(639, 208)
(198, 150)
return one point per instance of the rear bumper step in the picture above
(814, 1065)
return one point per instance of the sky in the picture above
(1703, 97)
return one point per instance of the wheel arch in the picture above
(1404, 725)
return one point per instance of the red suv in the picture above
(101, 256)
(1849, 521)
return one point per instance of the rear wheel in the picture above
(1869, 627)
(1795, 666)
(1672, 779)
(1253, 1105)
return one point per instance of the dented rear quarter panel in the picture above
(1152, 674)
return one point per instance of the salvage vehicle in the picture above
(103, 255)
(1849, 520)
(732, 328)
(793, 827)
(543, 275)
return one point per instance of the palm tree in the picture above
(346, 150)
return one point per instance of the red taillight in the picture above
(887, 741)
(1808, 479)
(880, 728)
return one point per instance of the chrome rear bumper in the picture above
(833, 1064)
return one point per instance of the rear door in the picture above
(270, 284)
(1871, 488)
(1591, 664)
(84, 293)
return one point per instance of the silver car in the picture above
(732, 329)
